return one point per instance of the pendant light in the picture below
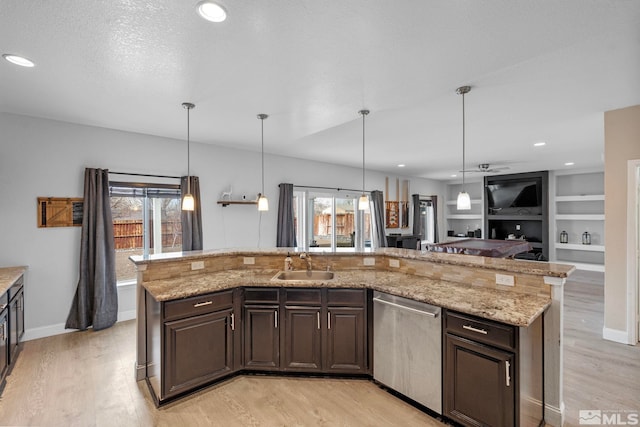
(263, 203)
(464, 201)
(363, 201)
(188, 202)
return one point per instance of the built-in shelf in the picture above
(473, 202)
(579, 207)
(237, 202)
(580, 217)
(515, 217)
(580, 247)
(465, 216)
(585, 198)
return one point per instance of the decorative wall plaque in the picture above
(60, 211)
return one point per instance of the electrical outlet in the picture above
(394, 263)
(517, 227)
(505, 279)
(368, 261)
(249, 260)
(197, 265)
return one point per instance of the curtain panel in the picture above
(96, 300)
(286, 232)
(191, 220)
(377, 200)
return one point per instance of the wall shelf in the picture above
(465, 216)
(582, 198)
(579, 247)
(580, 217)
(473, 202)
(464, 221)
(578, 207)
(515, 217)
(237, 202)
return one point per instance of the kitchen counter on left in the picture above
(9, 275)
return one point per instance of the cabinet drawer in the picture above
(303, 296)
(261, 295)
(197, 305)
(481, 330)
(346, 297)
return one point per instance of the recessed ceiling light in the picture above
(212, 11)
(540, 144)
(401, 165)
(18, 60)
(569, 164)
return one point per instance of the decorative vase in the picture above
(586, 238)
(564, 237)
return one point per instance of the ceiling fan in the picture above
(486, 168)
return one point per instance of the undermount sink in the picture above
(304, 275)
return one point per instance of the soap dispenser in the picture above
(288, 263)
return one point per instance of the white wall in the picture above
(41, 157)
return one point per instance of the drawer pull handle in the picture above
(507, 365)
(275, 319)
(202, 304)
(318, 315)
(233, 322)
(471, 328)
(328, 320)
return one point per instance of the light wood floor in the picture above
(86, 379)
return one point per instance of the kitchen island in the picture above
(458, 283)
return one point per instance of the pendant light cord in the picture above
(262, 149)
(188, 151)
(463, 141)
(363, 115)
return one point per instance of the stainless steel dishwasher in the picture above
(407, 348)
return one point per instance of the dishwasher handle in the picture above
(404, 307)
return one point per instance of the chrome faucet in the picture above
(305, 256)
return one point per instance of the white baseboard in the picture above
(554, 416)
(51, 330)
(616, 335)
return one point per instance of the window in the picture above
(146, 220)
(331, 221)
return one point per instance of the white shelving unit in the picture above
(578, 206)
(463, 221)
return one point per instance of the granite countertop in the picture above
(8, 276)
(508, 307)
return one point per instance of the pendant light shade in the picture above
(188, 203)
(464, 201)
(263, 203)
(363, 201)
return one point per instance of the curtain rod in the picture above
(144, 174)
(329, 188)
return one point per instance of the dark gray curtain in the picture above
(434, 200)
(418, 223)
(378, 211)
(191, 220)
(286, 237)
(96, 299)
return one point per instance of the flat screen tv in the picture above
(515, 197)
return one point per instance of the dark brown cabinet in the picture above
(4, 345)
(16, 322)
(261, 319)
(190, 342)
(198, 350)
(492, 372)
(346, 339)
(302, 330)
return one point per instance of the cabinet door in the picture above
(16, 325)
(4, 346)
(197, 350)
(302, 350)
(261, 339)
(479, 384)
(345, 340)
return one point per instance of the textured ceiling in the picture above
(539, 71)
